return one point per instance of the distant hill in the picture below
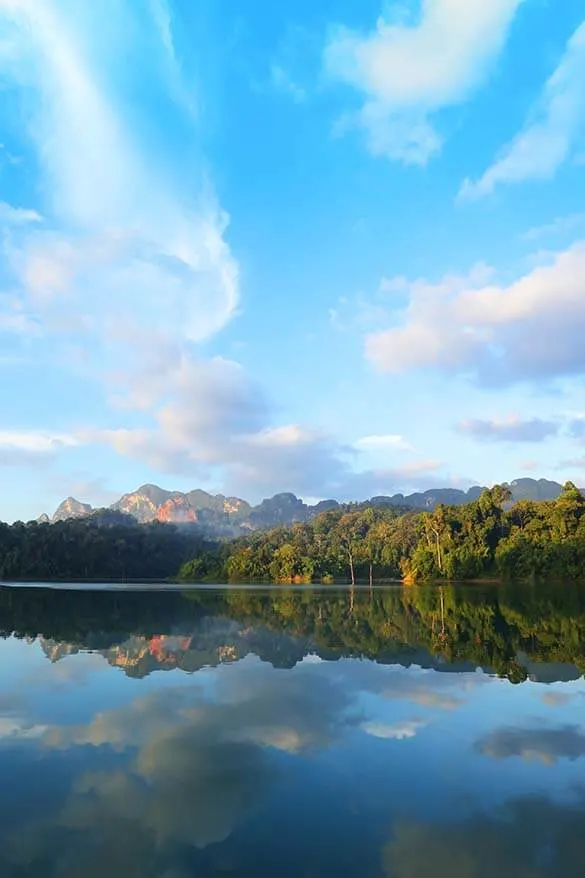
(230, 516)
(71, 508)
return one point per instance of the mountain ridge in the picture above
(218, 513)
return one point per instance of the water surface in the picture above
(396, 732)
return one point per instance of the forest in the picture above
(489, 538)
(88, 549)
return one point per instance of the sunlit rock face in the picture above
(144, 503)
(177, 510)
(56, 650)
(71, 508)
(208, 642)
(151, 503)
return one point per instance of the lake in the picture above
(411, 733)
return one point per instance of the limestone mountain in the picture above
(209, 642)
(71, 508)
(529, 489)
(151, 503)
(522, 489)
(230, 516)
(280, 509)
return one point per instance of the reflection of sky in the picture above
(193, 759)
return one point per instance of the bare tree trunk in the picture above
(351, 567)
(351, 599)
(371, 576)
(439, 555)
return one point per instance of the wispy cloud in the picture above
(180, 90)
(6, 157)
(407, 72)
(550, 131)
(283, 81)
(130, 263)
(125, 244)
(510, 429)
(559, 226)
(33, 448)
(35, 442)
(15, 216)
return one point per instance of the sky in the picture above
(336, 249)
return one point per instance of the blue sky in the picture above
(337, 249)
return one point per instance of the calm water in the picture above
(412, 733)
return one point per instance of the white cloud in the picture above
(124, 245)
(35, 442)
(131, 264)
(407, 72)
(13, 216)
(530, 329)
(398, 731)
(281, 437)
(559, 226)
(207, 415)
(388, 442)
(550, 132)
(419, 467)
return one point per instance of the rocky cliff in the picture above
(71, 508)
(231, 516)
(151, 503)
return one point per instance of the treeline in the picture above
(486, 627)
(510, 630)
(86, 549)
(490, 537)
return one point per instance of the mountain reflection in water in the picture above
(299, 733)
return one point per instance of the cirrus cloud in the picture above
(550, 132)
(123, 245)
